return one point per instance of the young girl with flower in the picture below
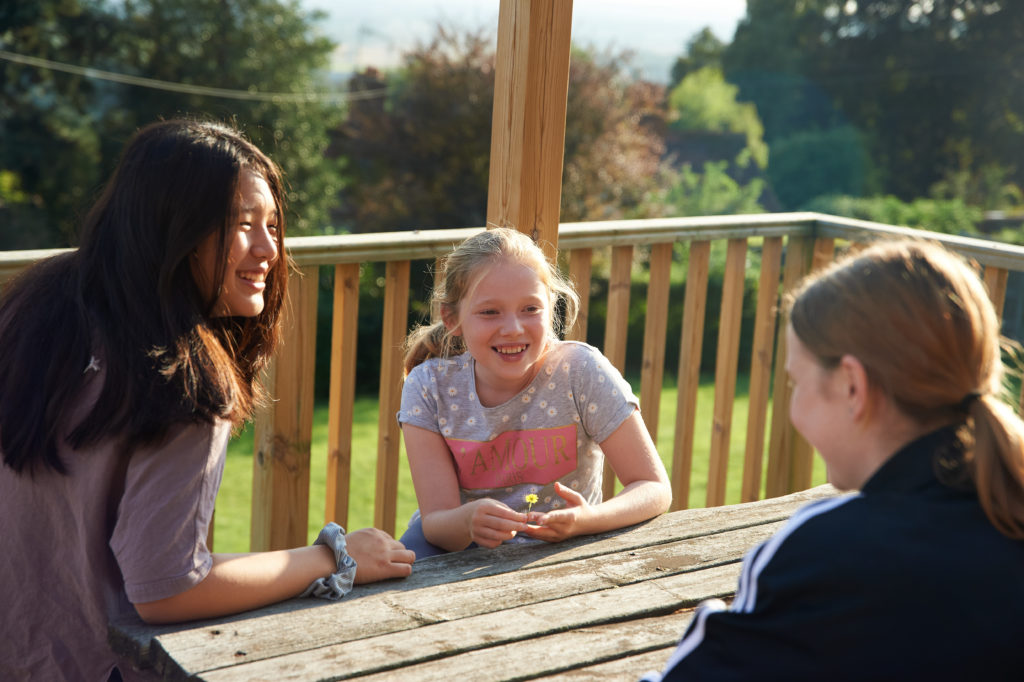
(498, 413)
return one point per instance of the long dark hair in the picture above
(127, 296)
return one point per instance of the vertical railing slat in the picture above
(727, 357)
(691, 340)
(617, 327)
(995, 282)
(341, 404)
(780, 449)
(396, 313)
(761, 367)
(580, 261)
(655, 329)
(803, 453)
(280, 496)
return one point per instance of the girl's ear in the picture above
(855, 386)
(450, 320)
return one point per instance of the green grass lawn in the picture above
(231, 531)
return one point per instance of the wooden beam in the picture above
(531, 83)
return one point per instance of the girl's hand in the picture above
(378, 556)
(560, 524)
(492, 522)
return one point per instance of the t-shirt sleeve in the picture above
(159, 538)
(419, 399)
(603, 397)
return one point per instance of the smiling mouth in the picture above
(254, 277)
(510, 350)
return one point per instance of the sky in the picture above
(375, 32)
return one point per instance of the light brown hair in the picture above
(463, 268)
(920, 321)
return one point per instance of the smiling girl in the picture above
(499, 416)
(124, 366)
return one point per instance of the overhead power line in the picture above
(192, 89)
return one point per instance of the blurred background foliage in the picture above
(909, 112)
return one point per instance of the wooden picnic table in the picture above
(608, 606)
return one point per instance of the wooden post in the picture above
(531, 82)
(280, 481)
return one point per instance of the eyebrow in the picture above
(255, 209)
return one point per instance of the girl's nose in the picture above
(512, 324)
(264, 244)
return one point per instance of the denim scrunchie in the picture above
(339, 583)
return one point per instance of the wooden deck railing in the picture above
(790, 246)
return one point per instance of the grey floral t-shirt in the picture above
(549, 432)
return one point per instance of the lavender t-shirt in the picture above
(76, 553)
(550, 432)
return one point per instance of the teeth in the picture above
(252, 276)
(510, 350)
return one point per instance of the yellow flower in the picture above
(531, 500)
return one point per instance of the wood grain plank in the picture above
(533, 658)
(625, 668)
(447, 643)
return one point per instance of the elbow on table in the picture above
(160, 612)
(664, 497)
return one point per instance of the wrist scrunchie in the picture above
(339, 583)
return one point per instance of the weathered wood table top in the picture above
(609, 606)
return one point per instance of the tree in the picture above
(704, 103)
(932, 86)
(67, 130)
(703, 49)
(419, 157)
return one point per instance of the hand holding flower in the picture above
(560, 524)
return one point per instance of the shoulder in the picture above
(578, 356)
(440, 367)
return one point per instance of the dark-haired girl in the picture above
(124, 366)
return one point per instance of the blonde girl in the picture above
(894, 357)
(506, 427)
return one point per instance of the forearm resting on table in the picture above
(448, 528)
(638, 501)
(241, 582)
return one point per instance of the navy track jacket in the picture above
(906, 580)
